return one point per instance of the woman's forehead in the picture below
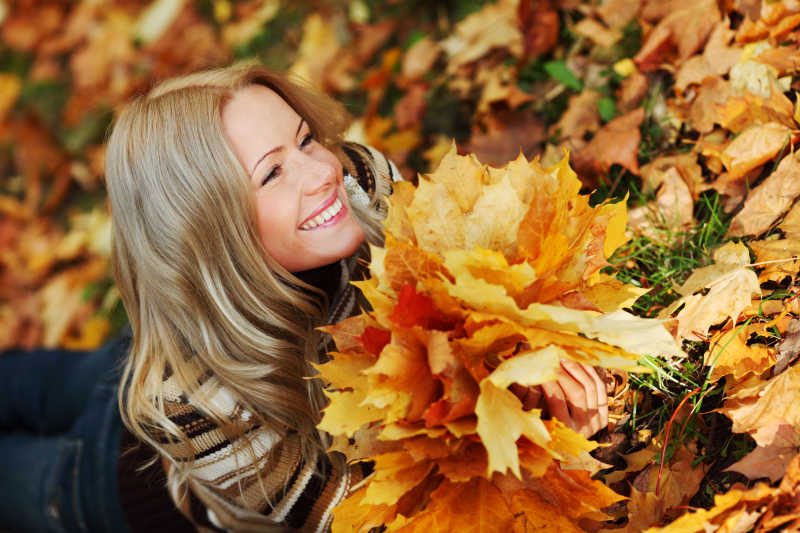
(255, 120)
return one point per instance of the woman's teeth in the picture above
(325, 216)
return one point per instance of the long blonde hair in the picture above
(203, 296)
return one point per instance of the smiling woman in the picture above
(233, 228)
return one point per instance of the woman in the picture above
(239, 218)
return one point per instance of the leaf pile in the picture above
(489, 277)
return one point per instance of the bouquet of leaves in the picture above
(489, 277)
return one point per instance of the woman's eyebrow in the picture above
(277, 148)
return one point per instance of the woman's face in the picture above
(304, 217)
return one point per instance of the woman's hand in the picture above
(578, 397)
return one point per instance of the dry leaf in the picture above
(770, 402)
(418, 60)
(754, 147)
(597, 32)
(769, 200)
(789, 347)
(580, 117)
(470, 41)
(770, 459)
(729, 354)
(616, 142)
(731, 286)
(686, 28)
(716, 60)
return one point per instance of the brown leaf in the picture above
(679, 482)
(674, 201)
(500, 87)
(716, 60)
(754, 147)
(631, 91)
(419, 59)
(686, 29)
(409, 109)
(731, 286)
(770, 458)
(769, 402)
(539, 21)
(580, 117)
(616, 142)
(789, 347)
(684, 163)
(469, 40)
(704, 111)
(598, 33)
(509, 133)
(769, 200)
(617, 13)
(731, 508)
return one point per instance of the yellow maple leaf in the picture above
(501, 421)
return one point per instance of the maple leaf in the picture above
(789, 348)
(717, 58)
(731, 286)
(724, 506)
(470, 40)
(616, 142)
(686, 28)
(677, 484)
(580, 117)
(730, 354)
(769, 199)
(501, 421)
(765, 404)
(771, 458)
(754, 147)
(476, 506)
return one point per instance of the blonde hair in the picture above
(203, 297)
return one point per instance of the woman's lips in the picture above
(328, 217)
(322, 207)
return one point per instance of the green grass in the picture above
(664, 260)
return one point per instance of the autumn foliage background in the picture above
(688, 111)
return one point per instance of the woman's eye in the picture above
(306, 140)
(273, 173)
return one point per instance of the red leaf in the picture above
(374, 339)
(416, 309)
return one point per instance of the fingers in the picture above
(586, 399)
(529, 396)
(578, 398)
(533, 398)
(602, 394)
(556, 402)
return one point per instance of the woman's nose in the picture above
(317, 174)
